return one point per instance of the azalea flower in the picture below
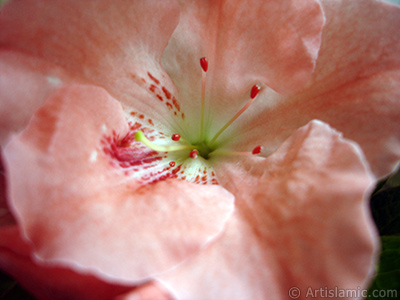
(194, 150)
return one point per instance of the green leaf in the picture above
(387, 281)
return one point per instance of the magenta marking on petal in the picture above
(163, 94)
(152, 88)
(176, 104)
(138, 162)
(132, 156)
(166, 93)
(156, 81)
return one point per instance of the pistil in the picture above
(139, 136)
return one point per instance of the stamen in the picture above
(253, 94)
(204, 63)
(204, 66)
(254, 91)
(175, 137)
(257, 150)
(194, 153)
(139, 136)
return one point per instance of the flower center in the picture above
(204, 148)
(150, 155)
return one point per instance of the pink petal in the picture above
(301, 221)
(355, 87)
(245, 42)
(359, 43)
(25, 82)
(368, 112)
(98, 27)
(79, 210)
(111, 44)
(49, 282)
(150, 291)
(359, 64)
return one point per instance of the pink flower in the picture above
(157, 149)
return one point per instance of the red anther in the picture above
(172, 164)
(194, 153)
(254, 91)
(204, 64)
(257, 150)
(175, 137)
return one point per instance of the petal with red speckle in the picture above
(78, 210)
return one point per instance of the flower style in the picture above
(158, 149)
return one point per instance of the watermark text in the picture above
(336, 292)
